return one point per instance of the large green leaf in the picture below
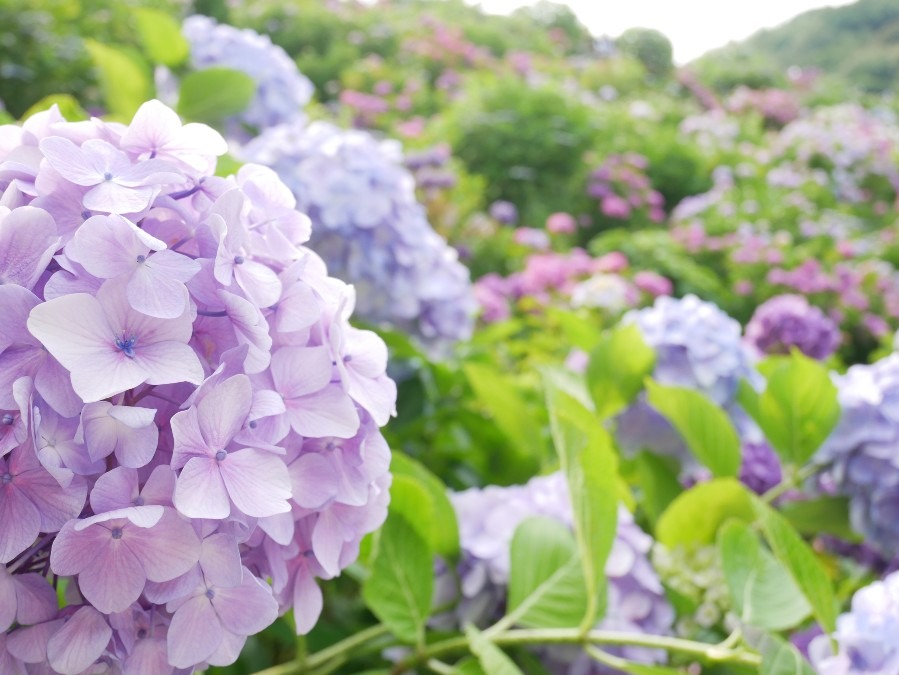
(801, 562)
(763, 592)
(591, 467)
(68, 107)
(618, 366)
(823, 514)
(160, 35)
(492, 659)
(444, 527)
(410, 499)
(704, 426)
(546, 581)
(797, 410)
(659, 484)
(124, 81)
(695, 516)
(779, 657)
(399, 589)
(500, 396)
(213, 94)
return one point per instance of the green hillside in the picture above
(858, 43)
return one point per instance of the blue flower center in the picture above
(141, 258)
(238, 260)
(107, 176)
(117, 533)
(220, 455)
(142, 633)
(210, 593)
(8, 419)
(138, 501)
(126, 346)
(6, 478)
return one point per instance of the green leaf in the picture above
(546, 582)
(492, 659)
(824, 514)
(124, 81)
(591, 468)
(411, 500)
(399, 589)
(659, 484)
(227, 166)
(695, 516)
(213, 94)
(801, 562)
(704, 426)
(763, 592)
(579, 331)
(618, 366)
(779, 657)
(68, 107)
(797, 410)
(499, 394)
(160, 35)
(444, 527)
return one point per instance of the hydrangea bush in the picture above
(370, 229)
(190, 423)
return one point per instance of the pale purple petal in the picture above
(194, 634)
(79, 643)
(200, 491)
(314, 481)
(223, 411)
(27, 243)
(307, 601)
(329, 412)
(257, 482)
(248, 608)
(166, 550)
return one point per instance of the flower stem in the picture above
(325, 655)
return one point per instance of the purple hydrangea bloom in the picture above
(859, 458)
(370, 229)
(787, 321)
(282, 91)
(487, 520)
(504, 212)
(189, 425)
(698, 347)
(865, 635)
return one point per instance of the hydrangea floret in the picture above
(189, 425)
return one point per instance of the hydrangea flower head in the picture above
(858, 459)
(487, 520)
(282, 91)
(370, 229)
(189, 426)
(865, 635)
(787, 321)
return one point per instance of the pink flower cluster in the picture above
(622, 187)
(188, 423)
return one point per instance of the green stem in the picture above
(327, 654)
(440, 667)
(701, 650)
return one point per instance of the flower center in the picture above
(238, 260)
(142, 633)
(138, 501)
(252, 424)
(347, 358)
(6, 478)
(210, 593)
(220, 455)
(141, 258)
(126, 346)
(107, 176)
(8, 419)
(117, 533)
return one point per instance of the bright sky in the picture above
(693, 26)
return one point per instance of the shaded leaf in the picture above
(695, 516)
(213, 94)
(124, 81)
(618, 366)
(160, 35)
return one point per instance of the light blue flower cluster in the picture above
(370, 229)
(488, 518)
(866, 635)
(281, 89)
(699, 347)
(859, 458)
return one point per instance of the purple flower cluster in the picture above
(370, 229)
(282, 91)
(188, 423)
(865, 636)
(622, 186)
(487, 520)
(788, 321)
(859, 458)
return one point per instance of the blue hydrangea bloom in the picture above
(281, 89)
(699, 347)
(865, 636)
(370, 229)
(859, 459)
(487, 521)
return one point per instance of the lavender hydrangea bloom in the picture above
(281, 90)
(787, 321)
(866, 635)
(859, 458)
(189, 425)
(487, 520)
(370, 229)
(698, 347)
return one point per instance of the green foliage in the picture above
(650, 47)
(160, 37)
(124, 79)
(695, 516)
(705, 428)
(213, 94)
(618, 365)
